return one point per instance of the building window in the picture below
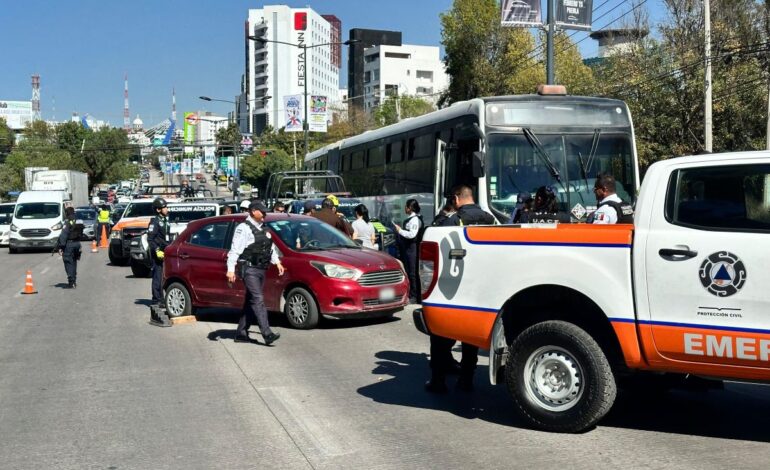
(367, 77)
(425, 75)
(398, 55)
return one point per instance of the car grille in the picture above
(34, 232)
(129, 233)
(376, 302)
(381, 278)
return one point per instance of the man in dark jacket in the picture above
(441, 360)
(68, 245)
(328, 215)
(158, 238)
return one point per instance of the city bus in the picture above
(501, 147)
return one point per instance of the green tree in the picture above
(7, 139)
(257, 168)
(228, 139)
(105, 156)
(401, 106)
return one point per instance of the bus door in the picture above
(440, 176)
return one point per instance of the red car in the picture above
(326, 273)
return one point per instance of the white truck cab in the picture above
(37, 220)
(6, 215)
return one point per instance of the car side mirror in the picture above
(477, 164)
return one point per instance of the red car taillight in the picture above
(428, 267)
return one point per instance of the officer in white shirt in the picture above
(253, 250)
(609, 204)
(408, 240)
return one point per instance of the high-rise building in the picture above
(275, 70)
(402, 70)
(364, 39)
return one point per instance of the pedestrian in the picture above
(253, 251)
(408, 241)
(158, 238)
(227, 210)
(279, 207)
(308, 208)
(186, 190)
(328, 215)
(610, 209)
(68, 245)
(335, 209)
(363, 229)
(441, 360)
(447, 211)
(245, 206)
(103, 222)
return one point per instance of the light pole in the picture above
(305, 47)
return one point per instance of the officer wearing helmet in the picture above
(186, 190)
(158, 237)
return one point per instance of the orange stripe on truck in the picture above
(469, 325)
(611, 236)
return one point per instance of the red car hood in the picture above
(363, 259)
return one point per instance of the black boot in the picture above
(436, 384)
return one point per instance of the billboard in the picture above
(17, 114)
(197, 165)
(190, 121)
(317, 119)
(186, 166)
(574, 14)
(292, 104)
(521, 13)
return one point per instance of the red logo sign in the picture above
(192, 119)
(300, 21)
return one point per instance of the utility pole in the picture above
(708, 122)
(549, 44)
(768, 116)
(305, 124)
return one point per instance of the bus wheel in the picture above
(559, 377)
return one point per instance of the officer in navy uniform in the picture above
(253, 251)
(158, 238)
(441, 360)
(68, 245)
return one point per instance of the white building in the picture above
(276, 70)
(402, 70)
(207, 127)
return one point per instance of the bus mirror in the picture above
(478, 132)
(477, 164)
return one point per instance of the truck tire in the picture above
(140, 270)
(301, 309)
(559, 377)
(116, 260)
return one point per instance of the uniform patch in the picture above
(722, 274)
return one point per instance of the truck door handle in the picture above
(184, 256)
(677, 254)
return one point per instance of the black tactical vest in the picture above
(75, 231)
(258, 253)
(623, 209)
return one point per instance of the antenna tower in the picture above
(173, 105)
(36, 97)
(126, 119)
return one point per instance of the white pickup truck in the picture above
(568, 311)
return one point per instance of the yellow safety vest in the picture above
(104, 217)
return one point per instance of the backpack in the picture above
(625, 211)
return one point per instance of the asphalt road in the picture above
(86, 382)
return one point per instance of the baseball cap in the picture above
(309, 206)
(333, 199)
(258, 206)
(245, 204)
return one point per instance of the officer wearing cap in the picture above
(253, 251)
(68, 245)
(158, 237)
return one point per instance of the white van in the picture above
(37, 221)
(6, 214)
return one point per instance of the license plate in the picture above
(387, 293)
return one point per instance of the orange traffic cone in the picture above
(29, 286)
(94, 248)
(103, 242)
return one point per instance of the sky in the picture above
(82, 48)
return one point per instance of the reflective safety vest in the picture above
(104, 217)
(379, 227)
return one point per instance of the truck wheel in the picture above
(301, 309)
(13, 251)
(559, 377)
(178, 302)
(115, 260)
(140, 270)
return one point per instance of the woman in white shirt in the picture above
(408, 241)
(363, 229)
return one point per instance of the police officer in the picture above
(408, 241)
(186, 190)
(253, 251)
(158, 238)
(68, 245)
(103, 221)
(441, 360)
(611, 209)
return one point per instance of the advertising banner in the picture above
(524, 13)
(208, 155)
(223, 163)
(318, 117)
(292, 104)
(197, 164)
(169, 168)
(177, 168)
(574, 14)
(190, 121)
(186, 166)
(17, 114)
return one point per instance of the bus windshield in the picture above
(568, 163)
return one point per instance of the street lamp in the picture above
(305, 47)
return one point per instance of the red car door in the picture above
(202, 259)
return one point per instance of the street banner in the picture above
(169, 168)
(190, 121)
(231, 164)
(224, 163)
(318, 118)
(524, 13)
(186, 166)
(197, 164)
(208, 155)
(574, 14)
(177, 168)
(293, 106)
(246, 142)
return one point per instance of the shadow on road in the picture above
(62, 285)
(732, 413)
(145, 302)
(277, 319)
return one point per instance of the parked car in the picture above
(133, 223)
(88, 215)
(327, 275)
(6, 215)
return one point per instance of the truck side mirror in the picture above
(477, 164)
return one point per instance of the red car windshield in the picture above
(304, 234)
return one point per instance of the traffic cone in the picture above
(103, 243)
(29, 286)
(94, 248)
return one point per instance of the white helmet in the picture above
(245, 204)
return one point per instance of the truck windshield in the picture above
(139, 210)
(517, 163)
(6, 214)
(38, 210)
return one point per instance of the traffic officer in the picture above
(245, 206)
(253, 251)
(441, 360)
(68, 245)
(103, 221)
(408, 241)
(611, 209)
(158, 238)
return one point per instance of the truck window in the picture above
(725, 198)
